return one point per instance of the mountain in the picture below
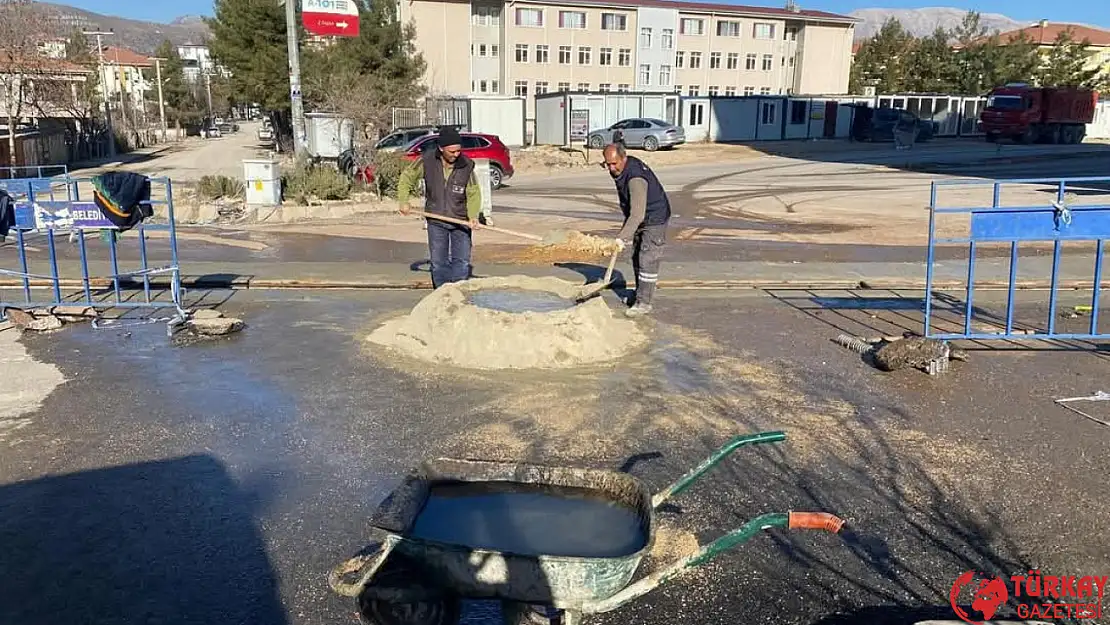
(921, 22)
(143, 37)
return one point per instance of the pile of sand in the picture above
(445, 328)
(573, 246)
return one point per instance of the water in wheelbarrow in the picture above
(530, 519)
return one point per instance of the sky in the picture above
(1090, 11)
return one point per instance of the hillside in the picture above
(921, 22)
(143, 37)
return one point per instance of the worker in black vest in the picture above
(646, 213)
(450, 189)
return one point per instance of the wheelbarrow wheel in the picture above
(400, 573)
(515, 613)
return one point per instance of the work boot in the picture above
(638, 310)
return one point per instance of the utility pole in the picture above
(295, 76)
(161, 103)
(208, 87)
(104, 88)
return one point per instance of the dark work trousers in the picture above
(449, 246)
(647, 253)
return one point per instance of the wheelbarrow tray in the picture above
(465, 571)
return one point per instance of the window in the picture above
(474, 143)
(691, 26)
(645, 74)
(664, 75)
(482, 51)
(697, 114)
(749, 90)
(564, 55)
(572, 19)
(521, 53)
(521, 88)
(714, 60)
(605, 87)
(791, 33)
(762, 30)
(624, 57)
(749, 61)
(493, 50)
(622, 88)
(728, 29)
(614, 21)
(541, 87)
(645, 37)
(564, 86)
(584, 54)
(541, 54)
(764, 91)
(695, 60)
(733, 60)
(714, 89)
(494, 87)
(679, 58)
(768, 62)
(485, 16)
(605, 56)
(693, 90)
(666, 39)
(529, 17)
(583, 86)
(678, 88)
(798, 112)
(730, 91)
(767, 116)
(482, 86)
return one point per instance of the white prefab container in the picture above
(263, 182)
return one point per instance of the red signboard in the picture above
(330, 18)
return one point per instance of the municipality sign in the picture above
(330, 18)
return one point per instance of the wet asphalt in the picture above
(218, 482)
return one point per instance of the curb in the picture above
(247, 283)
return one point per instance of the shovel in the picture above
(552, 238)
(591, 290)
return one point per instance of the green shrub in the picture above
(387, 172)
(216, 187)
(308, 181)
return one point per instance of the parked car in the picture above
(879, 124)
(474, 145)
(402, 137)
(641, 132)
(265, 134)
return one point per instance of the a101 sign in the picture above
(330, 18)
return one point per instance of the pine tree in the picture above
(931, 67)
(248, 38)
(882, 60)
(1067, 64)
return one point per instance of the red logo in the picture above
(990, 594)
(1035, 595)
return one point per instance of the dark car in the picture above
(879, 124)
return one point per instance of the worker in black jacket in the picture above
(646, 212)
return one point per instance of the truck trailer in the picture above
(1030, 114)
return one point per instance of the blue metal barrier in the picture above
(1054, 222)
(65, 213)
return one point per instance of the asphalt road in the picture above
(218, 482)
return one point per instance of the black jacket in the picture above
(7, 213)
(123, 198)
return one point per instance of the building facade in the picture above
(1044, 35)
(531, 47)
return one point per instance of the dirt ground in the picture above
(548, 158)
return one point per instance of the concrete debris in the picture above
(74, 314)
(207, 313)
(931, 355)
(218, 326)
(445, 327)
(24, 320)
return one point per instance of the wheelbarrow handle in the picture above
(692, 476)
(790, 520)
(365, 565)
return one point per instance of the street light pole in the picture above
(104, 88)
(295, 76)
(161, 103)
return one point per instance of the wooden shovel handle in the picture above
(460, 222)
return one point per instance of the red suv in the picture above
(474, 145)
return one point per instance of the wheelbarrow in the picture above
(404, 579)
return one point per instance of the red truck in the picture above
(1029, 114)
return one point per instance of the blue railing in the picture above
(1055, 221)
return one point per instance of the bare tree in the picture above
(20, 60)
